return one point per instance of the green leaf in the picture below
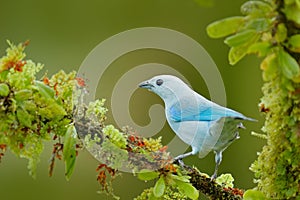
(292, 13)
(270, 67)
(4, 89)
(69, 151)
(287, 64)
(188, 189)
(181, 178)
(159, 187)
(3, 75)
(254, 195)
(281, 33)
(260, 48)
(286, 83)
(240, 38)
(29, 106)
(147, 175)
(52, 110)
(22, 95)
(152, 197)
(45, 90)
(294, 43)
(259, 24)
(236, 53)
(24, 117)
(225, 27)
(256, 8)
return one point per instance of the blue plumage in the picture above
(203, 124)
(183, 111)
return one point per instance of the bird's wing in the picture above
(197, 109)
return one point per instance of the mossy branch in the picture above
(213, 190)
(150, 159)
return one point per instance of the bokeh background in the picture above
(61, 35)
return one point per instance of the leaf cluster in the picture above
(265, 30)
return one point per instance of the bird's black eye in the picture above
(159, 82)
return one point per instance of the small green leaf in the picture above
(287, 64)
(281, 33)
(152, 197)
(3, 74)
(290, 87)
(292, 13)
(4, 89)
(254, 195)
(270, 67)
(240, 38)
(44, 90)
(159, 187)
(294, 43)
(24, 117)
(260, 48)
(266, 62)
(22, 95)
(236, 53)
(52, 110)
(29, 106)
(259, 24)
(181, 178)
(147, 175)
(225, 27)
(188, 189)
(256, 8)
(69, 151)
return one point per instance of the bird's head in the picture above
(168, 87)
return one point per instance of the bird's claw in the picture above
(179, 160)
(181, 163)
(213, 177)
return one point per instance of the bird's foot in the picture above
(179, 160)
(213, 177)
(181, 163)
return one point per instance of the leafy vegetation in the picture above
(33, 111)
(270, 29)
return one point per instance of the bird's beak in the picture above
(146, 85)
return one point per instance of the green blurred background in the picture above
(62, 33)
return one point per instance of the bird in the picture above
(197, 121)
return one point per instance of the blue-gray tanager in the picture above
(202, 124)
